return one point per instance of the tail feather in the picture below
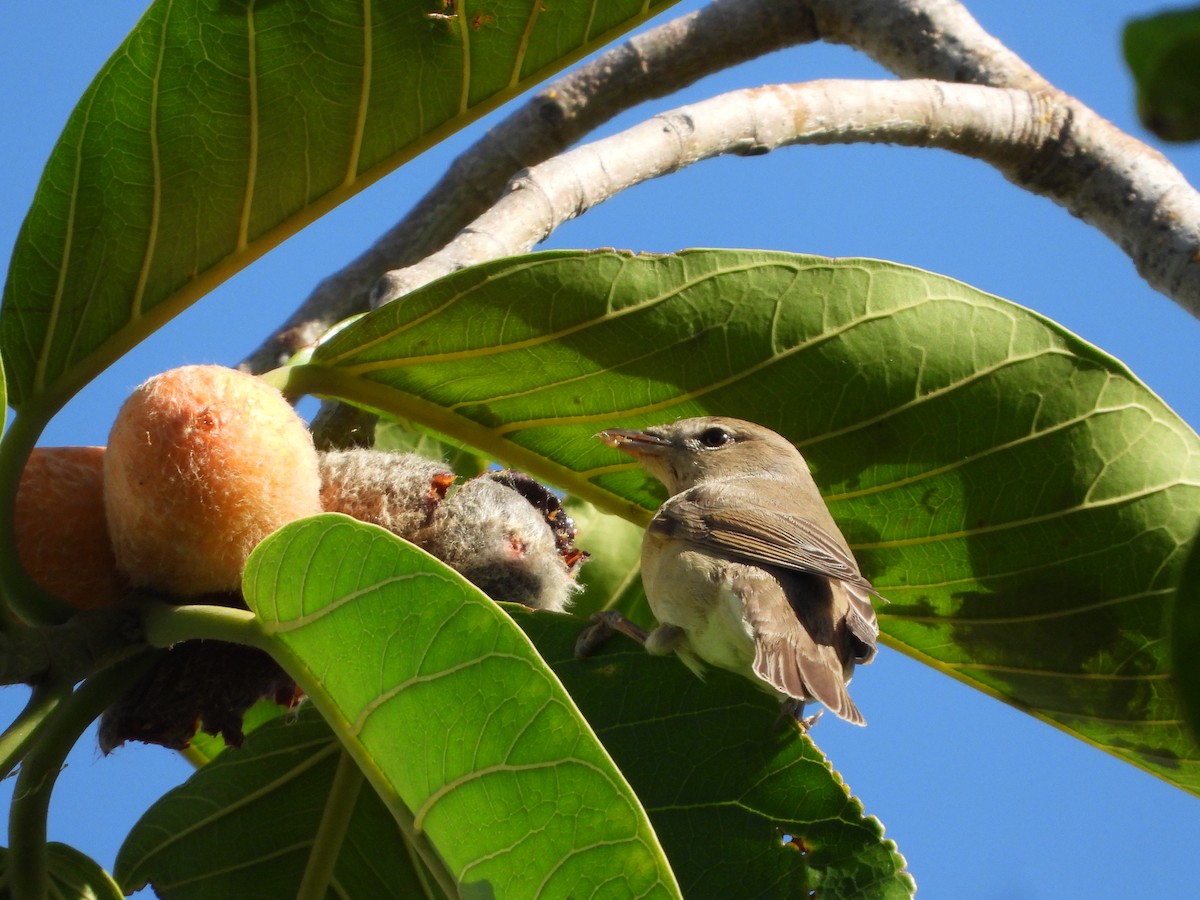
(813, 673)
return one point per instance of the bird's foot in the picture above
(807, 722)
(602, 626)
(793, 710)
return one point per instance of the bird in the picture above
(744, 567)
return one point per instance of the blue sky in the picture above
(984, 801)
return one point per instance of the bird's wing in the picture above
(794, 638)
(760, 535)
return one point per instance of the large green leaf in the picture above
(1018, 495)
(71, 874)
(611, 577)
(777, 821)
(1163, 53)
(743, 805)
(249, 822)
(220, 127)
(452, 716)
(1185, 637)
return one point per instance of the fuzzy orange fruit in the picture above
(203, 462)
(60, 530)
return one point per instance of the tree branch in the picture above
(1085, 168)
(936, 39)
(1061, 151)
(88, 642)
(653, 64)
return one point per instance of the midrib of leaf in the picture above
(364, 96)
(320, 380)
(526, 34)
(332, 830)
(243, 232)
(155, 178)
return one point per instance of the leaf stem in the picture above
(16, 738)
(335, 821)
(166, 624)
(52, 740)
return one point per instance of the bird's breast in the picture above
(692, 590)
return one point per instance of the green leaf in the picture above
(1163, 53)
(748, 783)
(1017, 494)
(410, 437)
(451, 715)
(743, 804)
(611, 577)
(221, 127)
(1185, 637)
(249, 822)
(72, 874)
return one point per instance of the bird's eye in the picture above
(715, 437)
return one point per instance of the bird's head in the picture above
(685, 453)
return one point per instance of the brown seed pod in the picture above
(60, 530)
(397, 491)
(503, 544)
(196, 685)
(551, 507)
(203, 462)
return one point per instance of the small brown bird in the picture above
(744, 566)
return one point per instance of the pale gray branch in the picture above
(1060, 150)
(936, 39)
(1104, 176)
(653, 64)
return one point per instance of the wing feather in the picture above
(760, 535)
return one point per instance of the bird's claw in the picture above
(602, 626)
(793, 710)
(807, 722)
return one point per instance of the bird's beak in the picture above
(635, 443)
